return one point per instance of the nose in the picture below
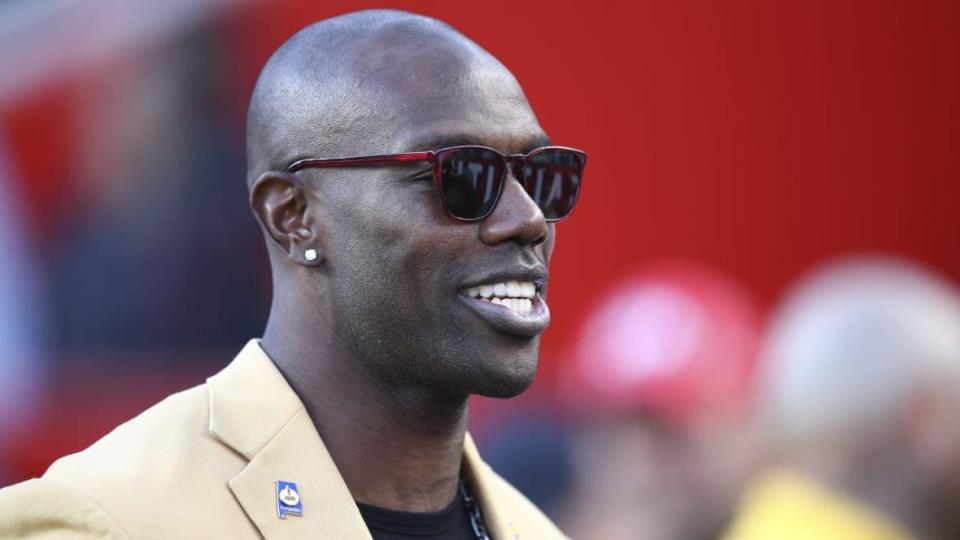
(516, 218)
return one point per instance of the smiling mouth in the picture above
(513, 306)
(517, 296)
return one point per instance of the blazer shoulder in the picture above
(164, 457)
(168, 432)
(43, 508)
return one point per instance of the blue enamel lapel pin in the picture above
(288, 500)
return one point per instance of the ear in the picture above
(279, 202)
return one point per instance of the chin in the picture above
(507, 389)
(498, 370)
(505, 379)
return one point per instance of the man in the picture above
(403, 283)
(860, 402)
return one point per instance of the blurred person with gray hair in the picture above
(860, 404)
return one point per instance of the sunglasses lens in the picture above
(552, 179)
(471, 179)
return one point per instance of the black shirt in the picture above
(451, 523)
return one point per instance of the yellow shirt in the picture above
(786, 506)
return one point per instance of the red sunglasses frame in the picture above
(511, 163)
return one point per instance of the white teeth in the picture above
(509, 289)
(521, 306)
(517, 296)
(529, 290)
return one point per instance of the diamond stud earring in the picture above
(310, 254)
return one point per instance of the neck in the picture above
(396, 448)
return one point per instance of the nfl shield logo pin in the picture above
(288, 500)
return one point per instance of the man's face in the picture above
(402, 275)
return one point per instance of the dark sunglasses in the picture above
(470, 179)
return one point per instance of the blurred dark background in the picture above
(750, 140)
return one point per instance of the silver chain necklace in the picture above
(473, 509)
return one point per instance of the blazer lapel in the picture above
(297, 455)
(498, 519)
(255, 412)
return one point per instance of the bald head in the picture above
(357, 84)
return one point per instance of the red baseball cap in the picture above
(673, 339)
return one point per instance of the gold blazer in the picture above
(204, 463)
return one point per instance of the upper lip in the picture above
(537, 274)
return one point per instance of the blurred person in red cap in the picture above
(662, 372)
(859, 400)
(407, 195)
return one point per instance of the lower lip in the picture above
(506, 320)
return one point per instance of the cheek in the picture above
(367, 214)
(429, 258)
(398, 241)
